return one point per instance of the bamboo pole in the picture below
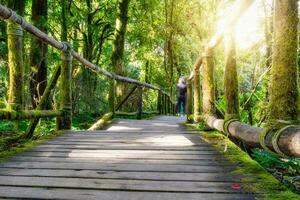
(101, 122)
(64, 122)
(159, 101)
(8, 114)
(140, 103)
(284, 141)
(125, 98)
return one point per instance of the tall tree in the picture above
(284, 95)
(118, 45)
(15, 57)
(38, 52)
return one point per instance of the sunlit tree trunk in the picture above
(284, 95)
(208, 84)
(38, 52)
(118, 46)
(231, 78)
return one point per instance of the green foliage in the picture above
(255, 178)
(286, 170)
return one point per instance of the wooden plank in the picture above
(127, 147)
(116, 167)
(123, 185)
(79, 194)
(98, 174)
(130, 156)
(125, 152)
(159, 162)
(147, 137)
(119, 143)
(203, 162)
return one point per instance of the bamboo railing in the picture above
(64, 115)
(282, 139)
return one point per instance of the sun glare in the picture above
(249, 29)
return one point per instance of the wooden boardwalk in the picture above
(146, 159)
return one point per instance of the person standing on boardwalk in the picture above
(181, 95)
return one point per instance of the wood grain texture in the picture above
(130, 160)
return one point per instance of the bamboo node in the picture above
(13, 15)
(262, 139)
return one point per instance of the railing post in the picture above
(231, 78)
(159, 101)
(165, 104)
(168, 105)
(140, 102)
(197, 96)
(208, 85)
(112, 96)
(64, 122)
(15, 62)
(162, 103)
(189, 103)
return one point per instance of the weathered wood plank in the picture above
(98, 174)
(125, 152)
(123, 185)
(137, 143)
(129, 156)
(116, 167)
(203, 162)
(79, 194)
(127, 147)
(147, 159)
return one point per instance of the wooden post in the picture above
(197, 102)
(64, 122)
(16, 68)
(163, 103)
(119, 105)
(189, 103)
(231, 78)
(140, 102)
(112, 96)
(284, 104)
(168, 105)
(159, 101)
(208, 85)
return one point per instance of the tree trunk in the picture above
(231, 78)
(38, 52)
(197, 91)
(284, 97)
(15, 58)
(64, 24)
(118, 44)
(208, 84)
(189, 101)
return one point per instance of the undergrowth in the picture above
(254, 169)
